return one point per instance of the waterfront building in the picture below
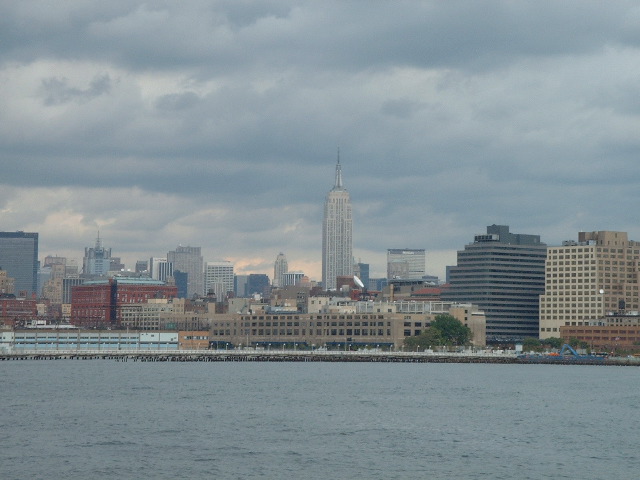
(97, 259)
(98, 303)
(193, 340)
(19, 258)
(189, 260)
(589, 279)
(406, 263)
(337, 225)
(340, 323)
(218, 278)
(502, 273)
(75, 339)
(280, 267)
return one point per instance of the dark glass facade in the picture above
(19, 258)
(502, 273)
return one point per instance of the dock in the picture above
(298, 356)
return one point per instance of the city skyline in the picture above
(221, 131)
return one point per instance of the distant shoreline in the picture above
(307, 356)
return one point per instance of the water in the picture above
(109, 420)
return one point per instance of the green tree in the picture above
(531, 344)
(553, 342)
(451, 330)
(426, 339)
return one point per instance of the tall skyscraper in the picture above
(502, 273)
(588, 280)
(337, 250)
(280, 267)
(189, 260)
(406, 263)
(19, 258)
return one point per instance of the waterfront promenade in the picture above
(251, 355)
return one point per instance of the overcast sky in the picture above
(217, 124)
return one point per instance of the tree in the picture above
(451, 330)
(531, 344)
(553, 342)
(426, 339)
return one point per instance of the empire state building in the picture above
(337, 253)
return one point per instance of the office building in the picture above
(99, 303)
(240, 285)
(291, 278)
(19, 258)
(258, 283)
(343, 325)
(7, 284)
(160, 269)
(97, 259)
(280, 267)
(142, 266)
(337, 251)
(592, 279)
(218, 278)
(502, 273)
(406, 263)
(189, 260)
(362, 271)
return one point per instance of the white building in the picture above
(280, 267)
(406, 263)
(160, 268)
(337, 250)
(218, 277)
(291, 278)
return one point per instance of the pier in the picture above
(297, 356)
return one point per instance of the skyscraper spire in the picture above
(338, 184)
(337, 251)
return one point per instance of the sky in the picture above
(217, 124)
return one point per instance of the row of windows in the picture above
(341, 332)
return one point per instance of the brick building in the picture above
(98, 304)
(17, 311)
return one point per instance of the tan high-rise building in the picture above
(588, 279)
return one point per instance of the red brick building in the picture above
(17, 311)
(97, 304)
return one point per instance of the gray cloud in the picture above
(57, 91)
(217, 123)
